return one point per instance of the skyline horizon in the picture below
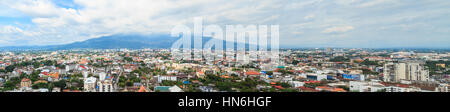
(281, 45)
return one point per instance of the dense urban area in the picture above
(154, 70)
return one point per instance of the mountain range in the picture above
(113, 42)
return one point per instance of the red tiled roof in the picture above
(397, 85)
(25, 80)
(252, 73)
(307, 89)
(403, 85)
(142, 89)
(278, 87)
(339, 90)
(82, 67)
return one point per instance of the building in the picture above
(90, 84)
(166, 77)
(306, 89)
(441, 65)
(25, 82)
(2, 81)
(40, 81)
(355, 77)
(361, 86)
(85, 74)
(313, 76)
(206, 89)
(252, 74)
(142, 89)
(168, 89)
(402, 89)
(105, 86)
(442, 88)
(296, 83)
(410, 71)
(102, 76)
(201, 75)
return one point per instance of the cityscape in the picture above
(155, 70)
(224, 46)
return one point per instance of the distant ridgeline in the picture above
(116, 42)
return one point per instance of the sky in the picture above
(303, 23)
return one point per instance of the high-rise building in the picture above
(407, 70)
(102, 76)
(105, 86)
(85, 74)
(90, 84)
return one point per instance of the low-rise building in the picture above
(296, 83)
(359, 86)
(166, 77)
(442, 88)
(25, 83)
(168, 89)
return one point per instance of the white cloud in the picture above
(142, 16)
(338, 29)
(311, 16)
(373, 3)
(85, 19)
(106, 17)
(36, 8)
(10, 29)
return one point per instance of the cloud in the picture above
(94, 18)
(10, 29)
(36, 8)
(308, 17)
(338, 29)
(69, 21)
(373, 3)
(122, 16)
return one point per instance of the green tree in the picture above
(10, 68)
(61, 84)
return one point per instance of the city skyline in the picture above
(305, 23)
(224, 55)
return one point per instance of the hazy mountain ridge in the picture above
(108, 42)
(114, 42)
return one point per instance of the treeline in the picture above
(35, 64)
(434, 69)
(225, 84)
(339, 59)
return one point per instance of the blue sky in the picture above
(303, 23)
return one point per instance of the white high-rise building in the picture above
(409, 71)
(85, 74)
(105, 86)
(90, 84)
(102, 76)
